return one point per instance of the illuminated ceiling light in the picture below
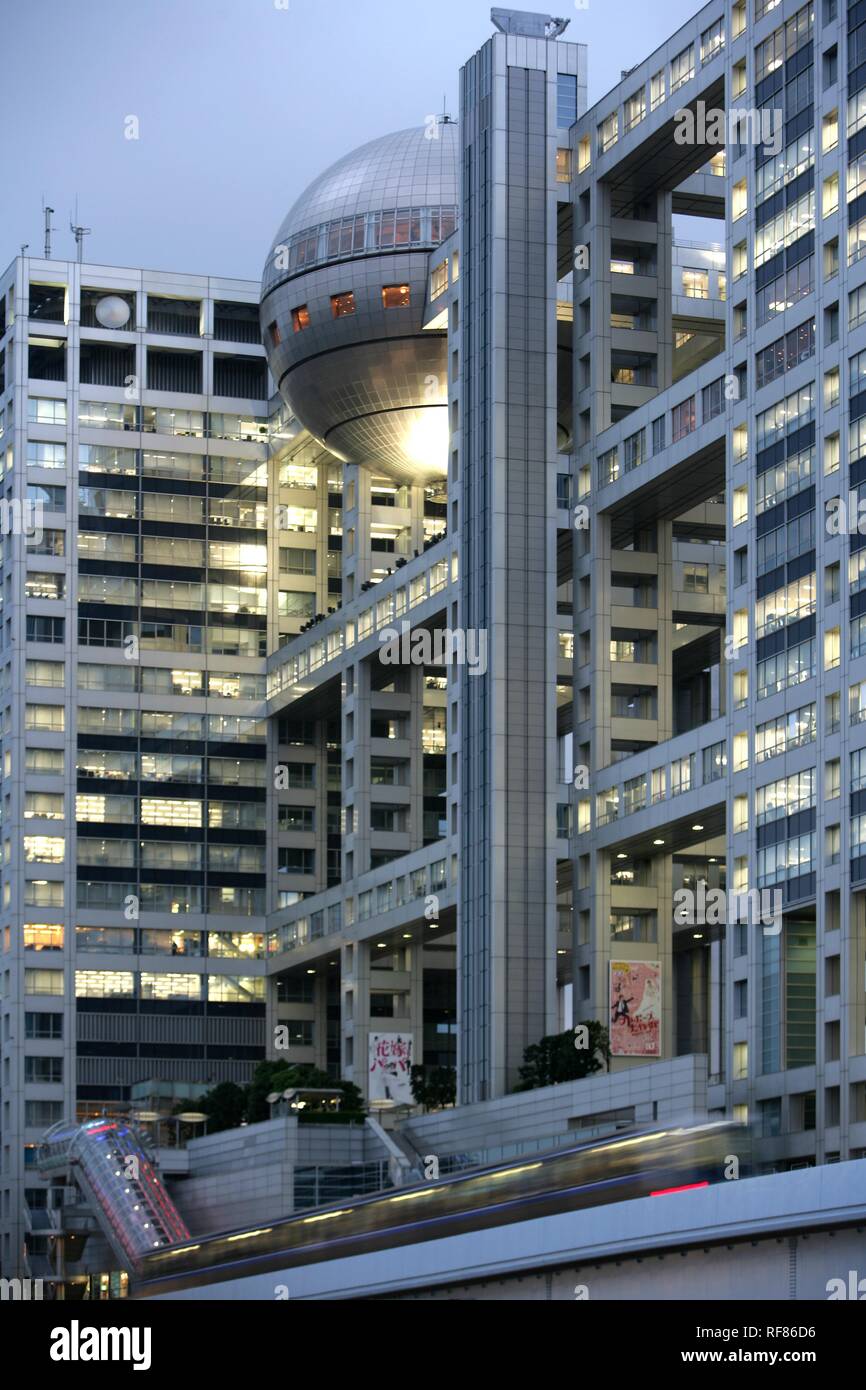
(698, 935)
(658, 842)
(407, 936)
(697, 827)
(381, 945)
(622, 856)
(311, 972)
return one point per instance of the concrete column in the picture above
(664, 276)
(414, 676)
(320, 1019)
(356, 750)
(356, 524)
(716, 1021)
(664, 531)
(355, 1011)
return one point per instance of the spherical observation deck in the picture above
(344, 292)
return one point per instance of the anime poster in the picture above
(391, 1067)
(635, 1008)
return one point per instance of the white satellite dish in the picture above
(112, 311)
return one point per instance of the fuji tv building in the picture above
(492, 383)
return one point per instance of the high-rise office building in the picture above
(135, 629)
(471, 660)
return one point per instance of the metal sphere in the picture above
(344, 293)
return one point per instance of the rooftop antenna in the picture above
(25, 247)
(47, 211)
(79, 233)
(446, 118)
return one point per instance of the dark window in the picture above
(566, 99)
(296, 861)
(43, 1025)
(295, 989)
(47, 360)
(174, 316)
(741, 565)
(40, 629)
(106, 365)
(236, 323)
(47, 302)
(240, 377)
(174, 371)
(43, 1070)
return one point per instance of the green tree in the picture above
(434, 1087)
(564, 1057)
(225, 1106)
(280, 1076)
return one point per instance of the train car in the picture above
(618, 1168)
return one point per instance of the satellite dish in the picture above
(112, 311)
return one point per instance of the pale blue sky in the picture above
(240, 103)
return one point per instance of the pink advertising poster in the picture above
(635, 1008)
(391, 1067)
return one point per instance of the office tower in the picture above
(135, 551)
(717, 662)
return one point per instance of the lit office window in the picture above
(104, 984)
(42, 937)
(46, 412)
(634, 109)
(342, 304)
(712, 41)
(170, 811)
(696, 284)
(235, 989)
(608, 132)
(682, 67)
(396, 296)
(43, 806)
(43, 982)
(44, 849)
(170, 986)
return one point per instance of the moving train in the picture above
(617, 1168)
